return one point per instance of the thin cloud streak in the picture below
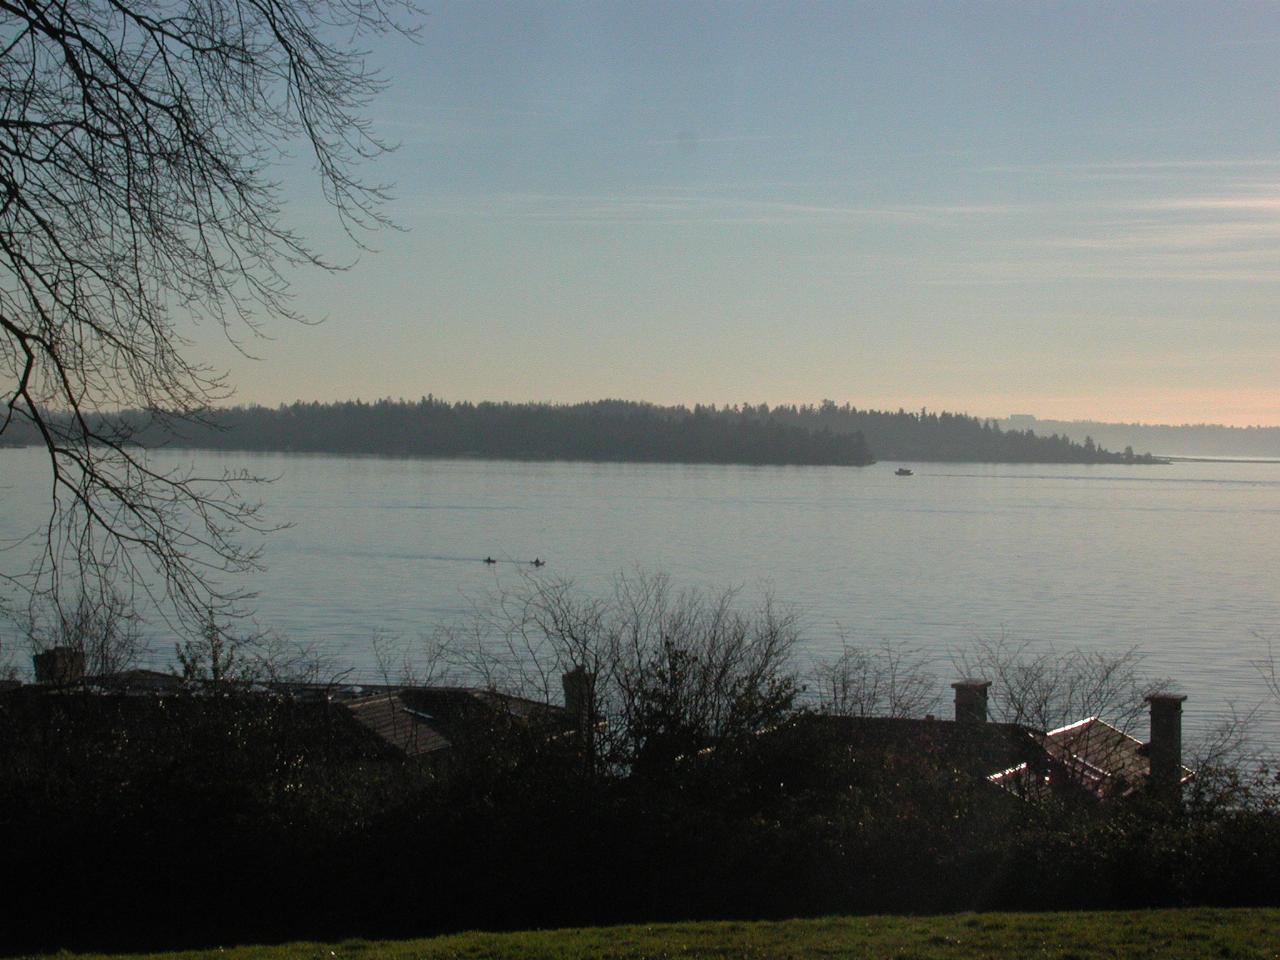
(1023, 273)
(1240, 237)
(1135, 165)
(1245, 204)
(681, 209)
(694, 140)
(1223, 237)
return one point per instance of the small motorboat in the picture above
(903, 472)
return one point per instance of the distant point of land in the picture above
(1186, 441)
(824, 434)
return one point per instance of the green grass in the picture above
(1190, 934)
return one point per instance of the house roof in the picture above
(412, 732)
(96, 712)
(975, 748)
(1090, 754)
(138, 681)
(424, 720)
(413, 721)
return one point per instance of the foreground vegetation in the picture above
(1188, 934)
(682, 780)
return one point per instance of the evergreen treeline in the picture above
(617, 430)
(1186, 439)
(605, 430)
(906, 435)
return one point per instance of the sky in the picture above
(1069, 210)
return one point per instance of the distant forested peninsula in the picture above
(957, 437)
(1166, 439)
(613, 430)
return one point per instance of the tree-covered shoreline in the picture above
(614, 431)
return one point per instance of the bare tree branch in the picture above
(137, 145)
(668, 672)
(888, 681)
(1046, 688)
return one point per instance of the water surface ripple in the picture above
(1178, 561)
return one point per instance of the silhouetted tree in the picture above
(136, 197)
(671, 671)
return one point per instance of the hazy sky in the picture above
(1071, 210)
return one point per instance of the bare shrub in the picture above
(219, 656)
(8, 669)
(406, 664)
(887, 681)
(668, 671)
(1048, 688)
(103, 626)
(1230, 776)
(1269, 671)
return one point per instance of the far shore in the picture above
(1170, 458)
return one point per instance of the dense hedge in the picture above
(143, 823)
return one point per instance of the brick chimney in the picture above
(971, 700)
(579, 695)
(59, 666)
(1164, 751)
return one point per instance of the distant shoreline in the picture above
(179, 447)
(1195, 441)
(1176, 459)
(609, 431)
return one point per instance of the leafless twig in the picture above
(136, 199)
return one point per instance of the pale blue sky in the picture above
(1071, 210)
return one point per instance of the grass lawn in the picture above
(1195, 933)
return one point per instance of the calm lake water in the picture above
(1179, 561)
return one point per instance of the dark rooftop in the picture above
(1090, 754)
(424, 720)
